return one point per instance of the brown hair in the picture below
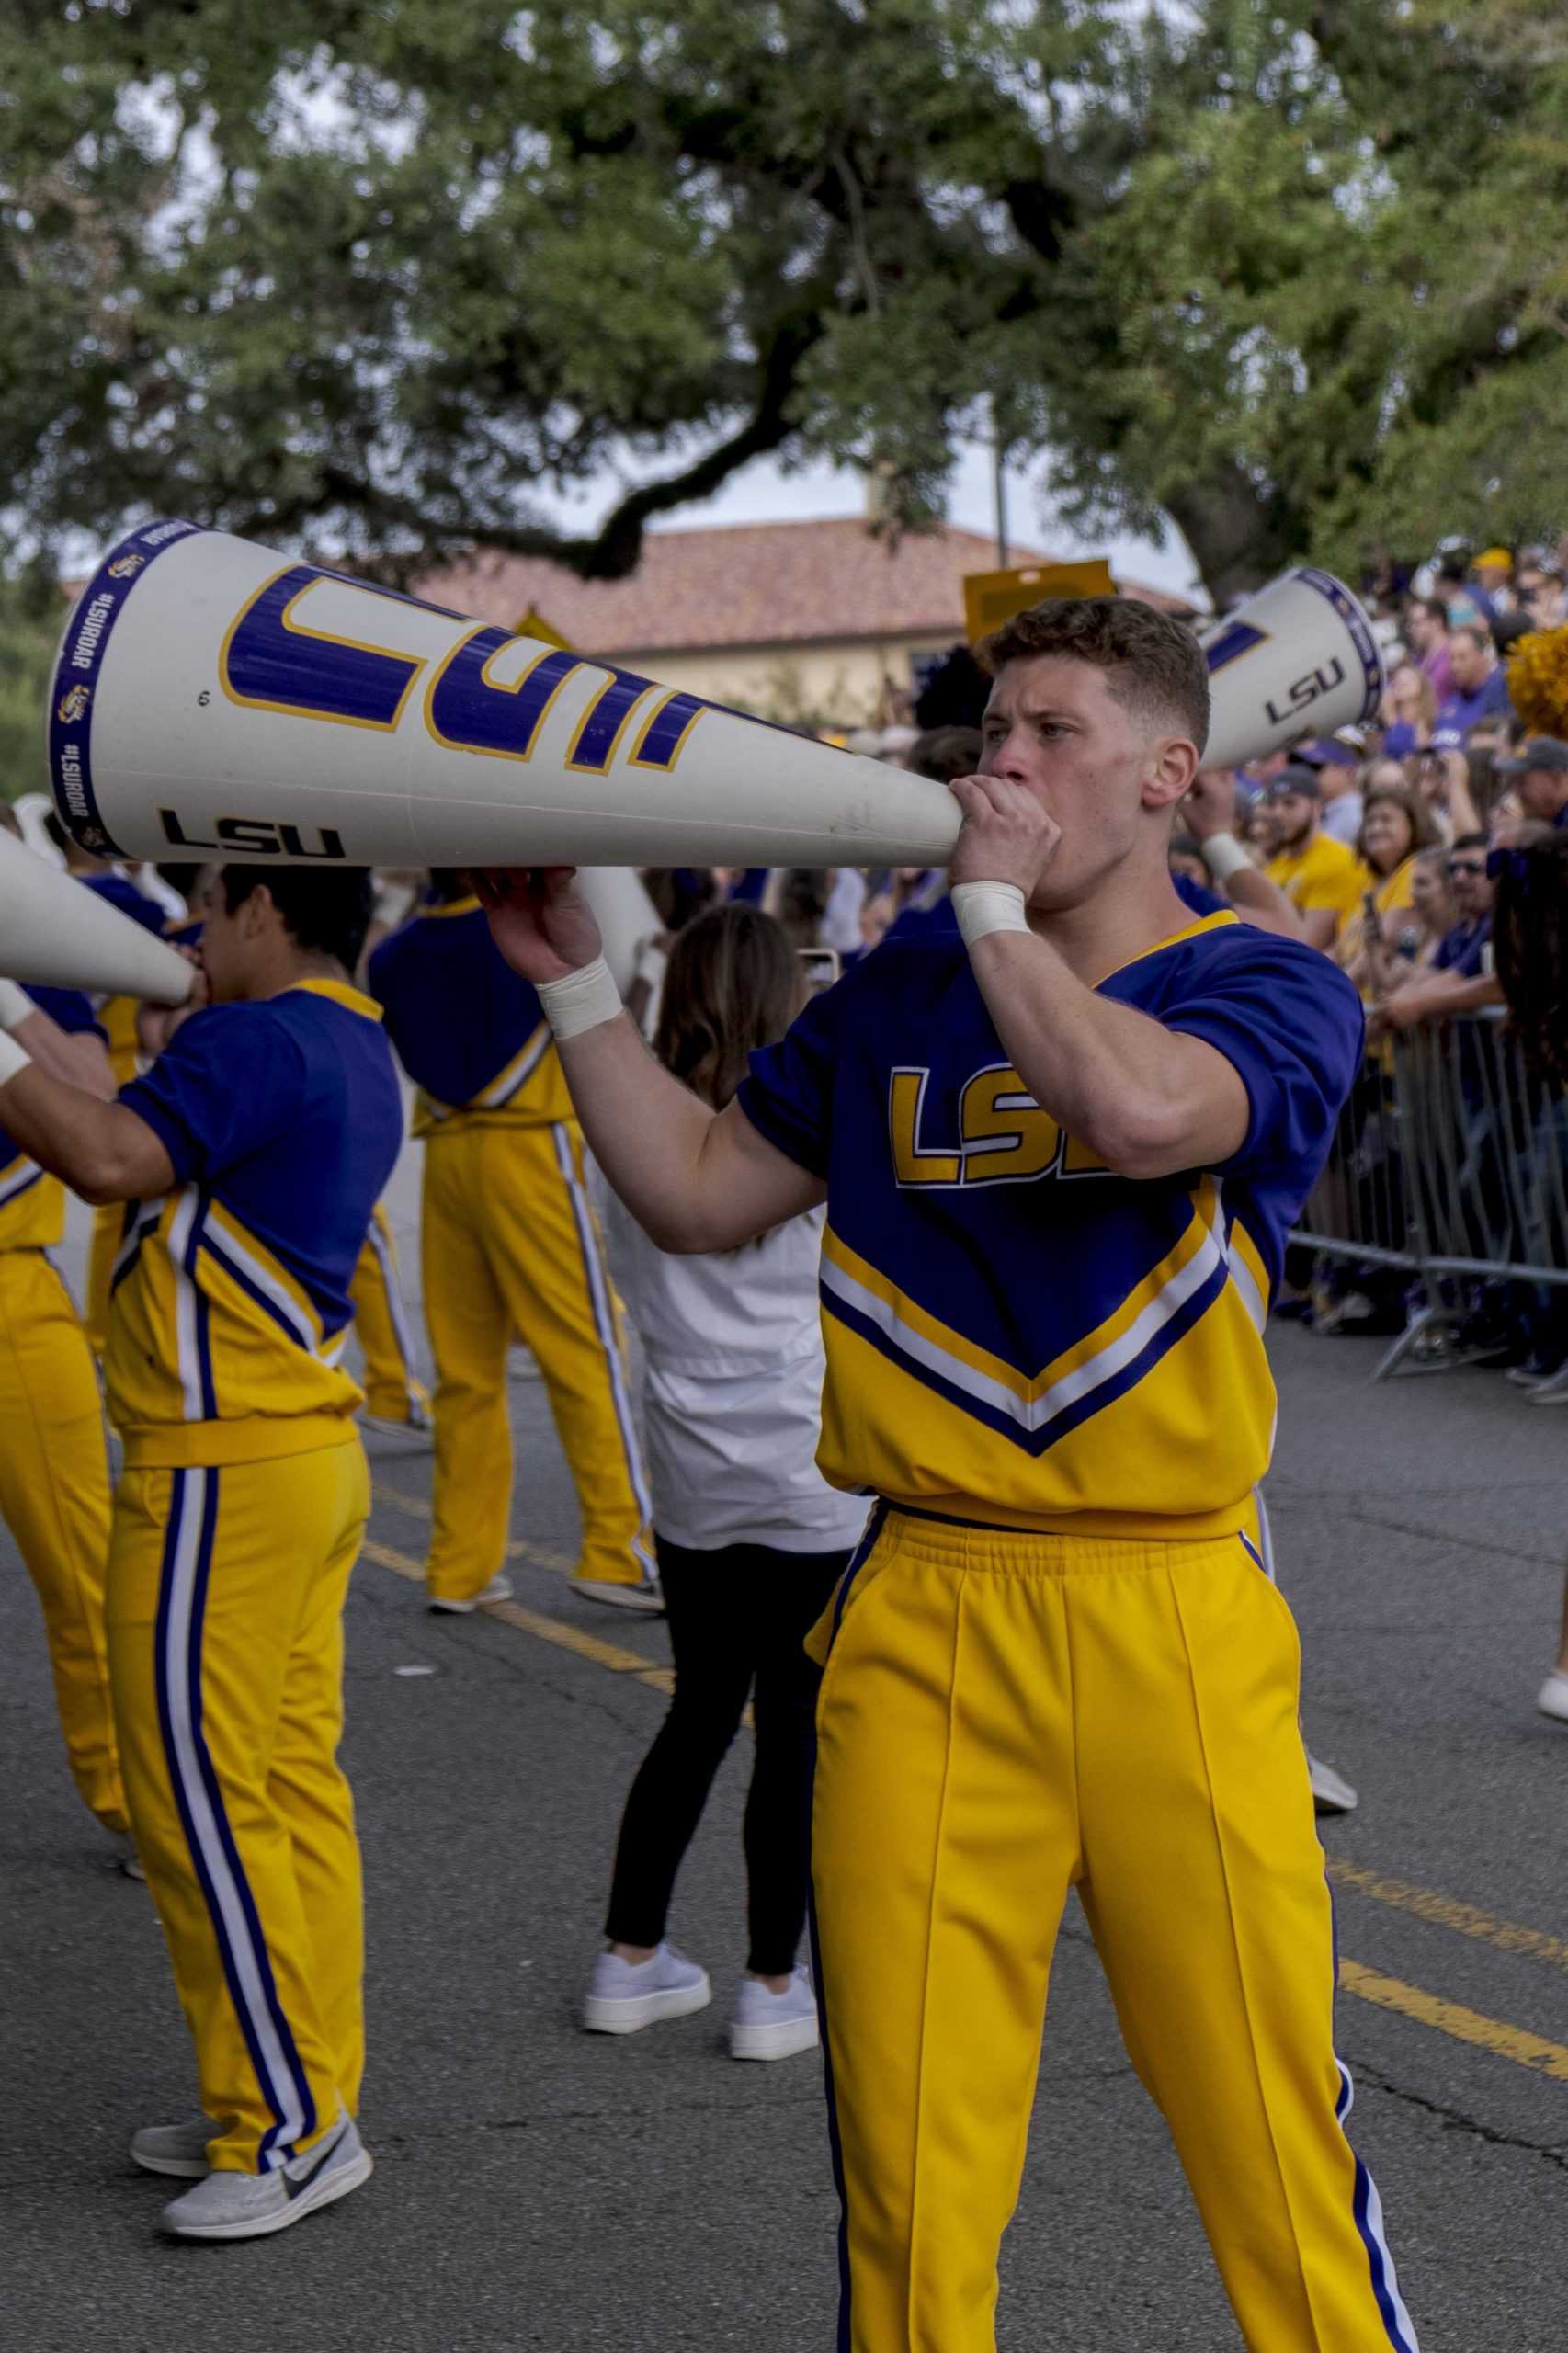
(1154, 664)
(733, 984)
(944, 752)
(1424, 830)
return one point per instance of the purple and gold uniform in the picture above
(236, 1523)
(1058, 1662)
(510, 1244)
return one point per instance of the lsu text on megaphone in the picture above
(1298, 655)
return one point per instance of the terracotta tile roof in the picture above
(741, 584)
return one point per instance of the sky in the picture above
(761, 492)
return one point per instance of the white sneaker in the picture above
(1552, 1698)
(647, 1596)
(251, 2205)
(498, 1589)
(774, 2025)
(1552, 1390)
(178, 2149)
(1332, 1794)
(415, 1436)
(625, 1995)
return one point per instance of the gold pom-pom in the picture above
(1537, 681)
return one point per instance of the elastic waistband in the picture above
(947, 1542)
(179, 1446)
(1138, 1528)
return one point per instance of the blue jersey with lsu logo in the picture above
(1015, 1334)
(469, 1031)
(32, 1203)
(230, 1304)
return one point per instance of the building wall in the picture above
(820, 686)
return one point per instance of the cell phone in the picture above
(1371, 923)
(823, 968)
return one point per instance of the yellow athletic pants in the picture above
(394, 1390)
(1004, 1717)
(225, 1624)
(54, 1498)
(103, 1249)
(510, 1243)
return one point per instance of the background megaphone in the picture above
(626, 916)
(55, 934)
(211, 700)
(1299, 657)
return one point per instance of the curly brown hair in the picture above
(1154, 665)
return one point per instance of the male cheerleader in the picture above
(54, 1490)
(508, 1243)
(249, 1157)
(1060, 1155)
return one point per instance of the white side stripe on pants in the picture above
(246, 1966)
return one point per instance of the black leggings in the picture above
(738, 1618)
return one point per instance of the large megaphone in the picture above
(56, 934)
(211, 700)
(1298, 657)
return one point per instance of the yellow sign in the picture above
(533, 624)
(991, 597)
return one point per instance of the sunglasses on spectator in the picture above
(1474, 866)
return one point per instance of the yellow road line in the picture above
(1452, 2018)
(1448, 1912)
(545, 1630)
(417, 1508)
(1461, 2025)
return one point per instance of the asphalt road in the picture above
(538, 2186)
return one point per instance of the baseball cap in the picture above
(1332, 752)
(1536, 752)
(1294, 778)
(1495, 559)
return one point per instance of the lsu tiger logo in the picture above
(72, 703)
(124, 565)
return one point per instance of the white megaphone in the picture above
(626, 916)
(56, 934)
(212, 701)
(1298, 657)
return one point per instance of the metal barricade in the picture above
(1449, 1165)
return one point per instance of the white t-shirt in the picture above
(731, 1394)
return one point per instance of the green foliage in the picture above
(374, 278)
(32, 614)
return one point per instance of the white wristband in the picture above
(15, 1005)
(13, 1057)
(988, 907)
(1223, 856)
(580, 1000)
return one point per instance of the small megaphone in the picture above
(55, 934)
(1298, 657)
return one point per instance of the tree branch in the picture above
(611, 551)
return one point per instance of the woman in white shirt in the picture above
(751, 1538)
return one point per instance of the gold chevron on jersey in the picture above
(1034, 1409)
(238, 1255)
